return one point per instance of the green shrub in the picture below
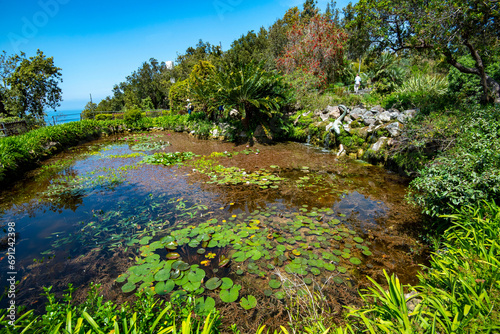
(467, 173)
(178, 95)
(132, 115)
(103, 117)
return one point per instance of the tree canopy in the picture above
(448, 29)
(29, 85)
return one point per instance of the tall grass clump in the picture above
(424, 91)
(146, 315)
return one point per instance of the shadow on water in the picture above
(82, 216)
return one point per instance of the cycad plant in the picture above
(251, 90)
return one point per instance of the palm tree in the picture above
(251, 90)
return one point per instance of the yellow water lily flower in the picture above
(210, 255)
(206, 263)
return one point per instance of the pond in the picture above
(239, 226)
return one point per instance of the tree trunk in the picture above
(487, 83)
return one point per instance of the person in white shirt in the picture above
(357, 83)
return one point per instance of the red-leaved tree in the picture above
(316, 47)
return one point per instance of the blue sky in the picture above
(98, 43)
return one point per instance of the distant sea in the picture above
(62, 116)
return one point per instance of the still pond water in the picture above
(259, 215)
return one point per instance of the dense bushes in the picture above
(468, 172)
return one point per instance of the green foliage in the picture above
(146, 315)
(471, 28)
(254, 92)
(29, 85)
(426, 92)
(104, 117)
(387, 73)
(466, 86)
(466, 174)
(458, 294)
(132, 115)
(178, 95)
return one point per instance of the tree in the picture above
(249, 47)
(29, 85)
(316, 47)
(251, 90)
(450, 28)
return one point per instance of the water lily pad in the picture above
(172, 245)
(268, 292)
(358, 239)
(164, 287)
(249, 302)
(201, 251)
(279, 295)
(315, 271)
(173, 255)
(191, 286)
(355, 260)
(196, 275)
(121, 278)
(329, 266)
(224, 261)
(204, 306)
(275, 284)
(230, 295)
(213, 283)
(342, 270)
(239, 272)
(240, 256)
(227, 283)
(145, 240)
(128, 287)
(162, 275)
(367, 253)
(308, 280)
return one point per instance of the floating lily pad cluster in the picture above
(150, 146)
(233, 175)
(308, 243)
(163, 276)
(167, 159)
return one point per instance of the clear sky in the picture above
(98, 43)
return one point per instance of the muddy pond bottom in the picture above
(240, 228)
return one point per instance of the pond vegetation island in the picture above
(285, 202)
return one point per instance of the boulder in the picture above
(347, 128)
(394, 114)
(379, 144)
(384, 117)
(369, 121)
(377, 109)
(360, 132)
(394, 129)
(333, 112)
(368, 114)
(357, 113)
